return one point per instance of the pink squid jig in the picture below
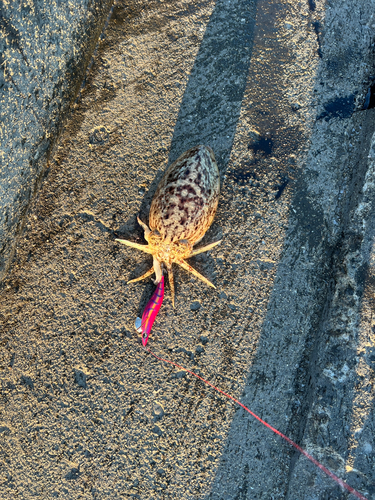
(144, 325)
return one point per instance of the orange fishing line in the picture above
(292, 443)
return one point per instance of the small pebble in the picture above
(199, 349)
(80, 378)
(158, 410)
(194, 306)
(157, 430)
(98, 135)
(367, 448)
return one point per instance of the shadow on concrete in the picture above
(297, 342)
(212, 101)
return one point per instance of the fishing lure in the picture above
(182, 210)
(144, 325)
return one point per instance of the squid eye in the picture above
(144, 335)
(155, 236)
(184, 245)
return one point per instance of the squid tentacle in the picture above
(191, 270)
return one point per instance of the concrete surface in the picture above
(278, 90)
(44, 51)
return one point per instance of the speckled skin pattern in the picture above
(186, 199)
(182, 210)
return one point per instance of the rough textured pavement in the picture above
(282, 92)
(45, 47)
